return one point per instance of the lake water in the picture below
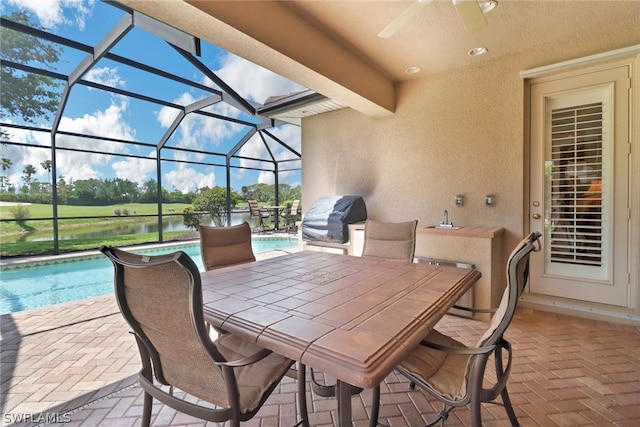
(131, 226)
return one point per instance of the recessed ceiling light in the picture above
(477, 51)
(488, 6)
(412, 70)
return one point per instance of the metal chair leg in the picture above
(509, 408)
(476, 416)
(146, 409)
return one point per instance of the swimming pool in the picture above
(61, 279)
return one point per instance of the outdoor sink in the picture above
(444, 227)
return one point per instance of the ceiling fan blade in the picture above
(402, 19)
(471, 14)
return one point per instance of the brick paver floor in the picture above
(74, 364)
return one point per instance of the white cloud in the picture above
(290, 135)
(74, 165)
(108, 123)
(166, 116)
(78, 170)
(195, 131)
(105, 76)
(185, 180)
(252, 81)
(135, 169)
(265, 177)
(255, 148)
(50, 12)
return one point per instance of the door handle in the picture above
(536, 216)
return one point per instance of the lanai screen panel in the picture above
(129, 113)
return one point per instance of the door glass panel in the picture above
(576, 174)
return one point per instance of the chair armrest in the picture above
(247, 360)
(458, 350)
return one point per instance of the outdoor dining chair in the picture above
(390, 240)
(290, 216)
(259, 213)
(225, 246)
(452, 372)
(161, 299)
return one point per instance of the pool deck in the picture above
(77, 360)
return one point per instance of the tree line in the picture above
(85, 192)
(104, 192)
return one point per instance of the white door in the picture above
(580, 151)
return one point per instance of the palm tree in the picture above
(28, 172)
(46, 165)
(6, 165)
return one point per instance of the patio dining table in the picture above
(275, 211)
(352, 318)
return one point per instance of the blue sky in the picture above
(105, 114)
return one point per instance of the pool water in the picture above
(43, 285)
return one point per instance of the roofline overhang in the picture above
(291, 102)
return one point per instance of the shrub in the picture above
(214, 202)
(117, 212)
(20, 213)
(190, 218)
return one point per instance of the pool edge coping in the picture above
(45, 260)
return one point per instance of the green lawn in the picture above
(46, 211)
(46, 247)
(13, 229)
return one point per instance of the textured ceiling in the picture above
(435, 38)
(333, 47)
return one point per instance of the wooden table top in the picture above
(350, 317)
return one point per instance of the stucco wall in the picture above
(459, 132)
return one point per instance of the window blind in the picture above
(576, 184)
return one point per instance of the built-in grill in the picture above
(328, 218)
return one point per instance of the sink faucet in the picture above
(446, 218)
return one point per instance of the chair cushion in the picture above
(444, 372)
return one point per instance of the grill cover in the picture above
(328, 218)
